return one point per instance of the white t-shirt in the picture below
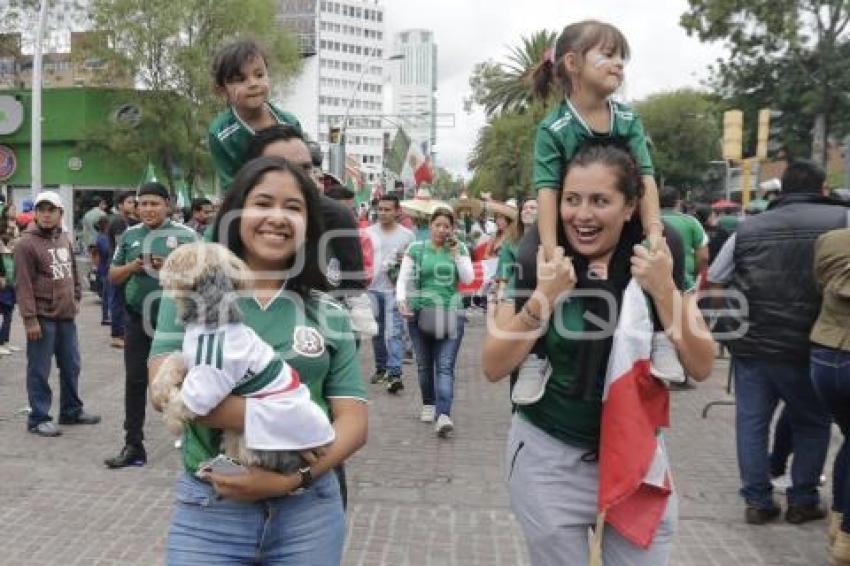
(279, 414)
(385, 249)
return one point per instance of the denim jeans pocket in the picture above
(827, 357)
(324, 488)
(192, 491)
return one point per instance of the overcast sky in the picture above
(470, 31)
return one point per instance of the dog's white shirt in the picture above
(279, 414)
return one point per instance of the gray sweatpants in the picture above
(553, 495)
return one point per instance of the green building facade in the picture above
(71, 165)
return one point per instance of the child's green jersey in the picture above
(563, 132)
(229, 138)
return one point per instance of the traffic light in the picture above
(733, 137)
(335, 134)
(769, 133)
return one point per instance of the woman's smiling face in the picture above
(593, 210)
(273, 222)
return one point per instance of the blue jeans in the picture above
(387, 344)
(831, 378)
(435, 363)
(59, 338)
(308, 528)
(116, 308)
(6, 311)
(759, 385)
(783, 444)
(105, 298)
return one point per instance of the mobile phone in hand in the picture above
(221, 464)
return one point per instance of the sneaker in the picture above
(531, 380)
(428, 413)
(379, 377)
(362, 318)
(11, 348)
(80, 418)
(761, 515)
(394, 384)
(117, 342)
(178, 444)
(46, 428)
(781, 483)
(129, 456)
(834, 526)
(799, 514)
(665, 364)
(4, 351)
(840, 553)
(444, 426)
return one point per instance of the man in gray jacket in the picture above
(48, 292)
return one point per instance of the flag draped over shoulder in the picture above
(634, 477)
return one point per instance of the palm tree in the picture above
(506, 87)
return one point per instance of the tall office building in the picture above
(414, 84)
(344, 52)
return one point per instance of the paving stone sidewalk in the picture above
(414, 499)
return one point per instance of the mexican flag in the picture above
(409, 161)
(634, 476)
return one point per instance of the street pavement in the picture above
(414, 499)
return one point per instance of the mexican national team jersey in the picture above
(563, 132)
(313, 336)
(233, 359)
(160, 242)
(693, 238)
(435, 275)
(229, 138)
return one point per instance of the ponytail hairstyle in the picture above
(578, 38)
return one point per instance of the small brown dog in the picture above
(222, 356)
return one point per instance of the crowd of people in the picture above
(561, 270)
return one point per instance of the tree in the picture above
(506, 87)
(502, 156)
(445, 186)
(167, 46)
(789, 55)
(684, 127)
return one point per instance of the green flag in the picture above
(398, 152)
(149, 174)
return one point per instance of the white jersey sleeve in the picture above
(219, 360)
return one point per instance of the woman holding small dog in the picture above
(272, 220)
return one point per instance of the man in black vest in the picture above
(769, 262)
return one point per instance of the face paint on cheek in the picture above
(601, 61)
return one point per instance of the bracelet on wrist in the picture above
(529, 318)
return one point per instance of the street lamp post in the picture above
(336, 155)
(35, 151)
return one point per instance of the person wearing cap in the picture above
(26, 215)
(48, 292)
(139, 255)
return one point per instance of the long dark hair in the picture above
(311, 276)
(578, 38)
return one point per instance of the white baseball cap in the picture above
(49, 196)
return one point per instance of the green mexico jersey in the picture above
(313, 336)
(229, 138)
(138, 240)
(563, 132)
(570, 418)
(435, 275)
(693, 238)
